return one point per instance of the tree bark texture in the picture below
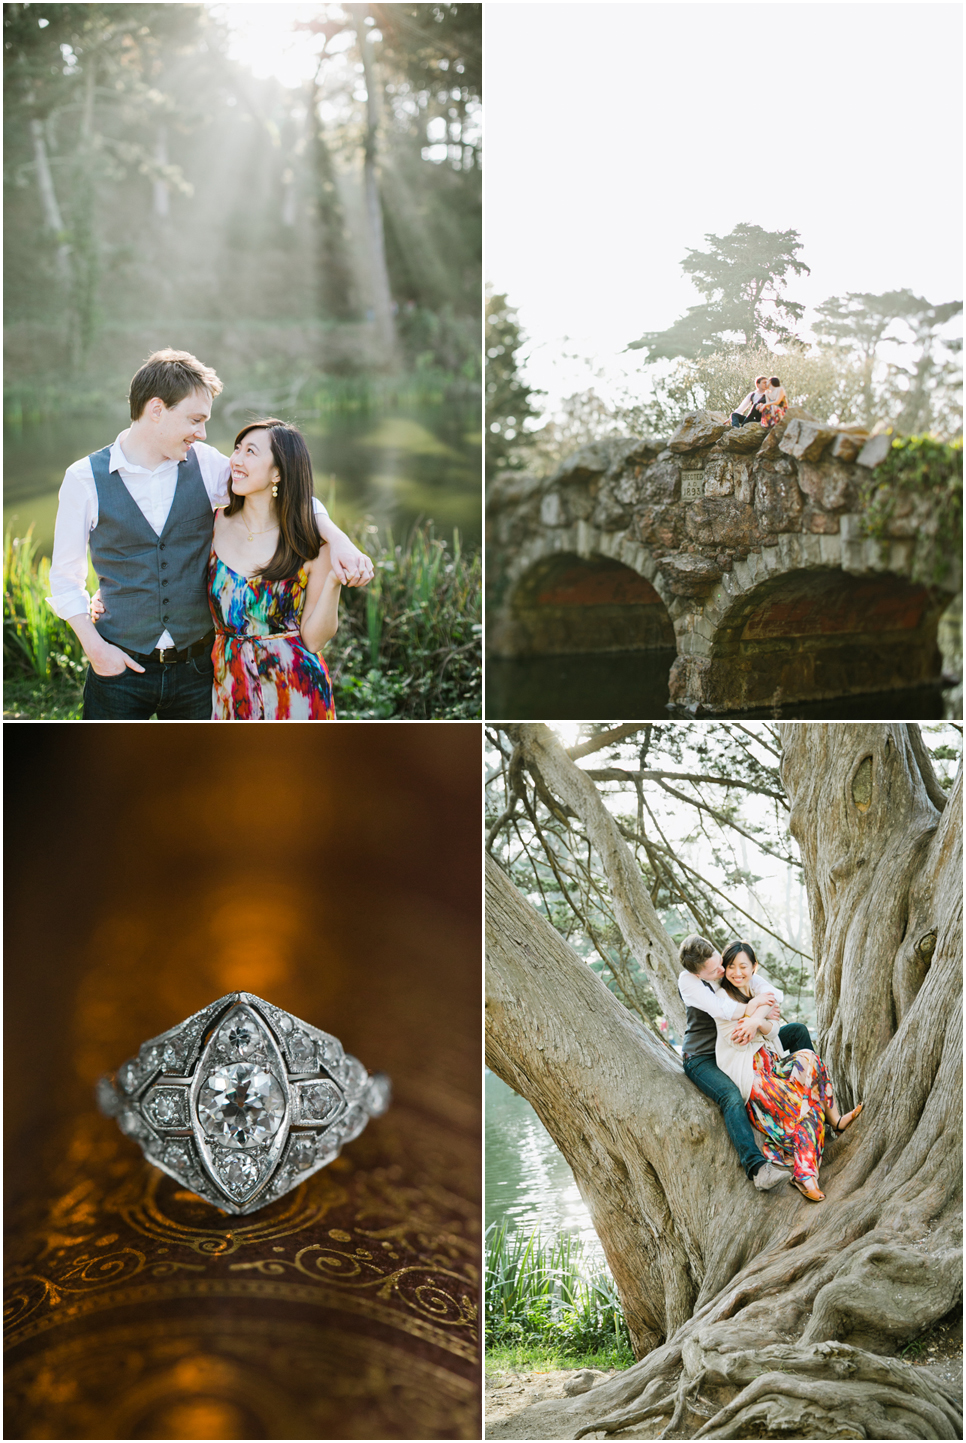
(381, 293)
(761, 1314)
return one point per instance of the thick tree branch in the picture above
(633, 908)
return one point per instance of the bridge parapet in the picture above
(721, 523)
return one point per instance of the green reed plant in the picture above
(548, 1295)
(409, 644)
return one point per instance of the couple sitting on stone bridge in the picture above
(767, 403)
(760, 1074)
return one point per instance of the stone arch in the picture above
(808, 633)
(565, 600)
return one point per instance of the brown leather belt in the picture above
(167, 655)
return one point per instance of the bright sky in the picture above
(618, 135)
(263, 40)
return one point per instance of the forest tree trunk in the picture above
(381, 293)
(760, 1314)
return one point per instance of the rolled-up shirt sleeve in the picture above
(706, 999)
(72, 529)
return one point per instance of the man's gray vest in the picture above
(702, 1032)
(149, 583)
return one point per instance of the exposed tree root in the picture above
(827, 1390)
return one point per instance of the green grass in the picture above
(408, 645)
(544, 1358)
(549, 1300)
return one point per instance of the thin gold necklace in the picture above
(253, 534)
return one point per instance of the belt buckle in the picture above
(161, 656)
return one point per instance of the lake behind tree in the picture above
(528, 1183)
(397, 466)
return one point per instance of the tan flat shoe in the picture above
(812, 1192)
(848, 1119)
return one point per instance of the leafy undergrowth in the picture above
(408, 646)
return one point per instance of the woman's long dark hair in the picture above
(298, 535)
(728, 955)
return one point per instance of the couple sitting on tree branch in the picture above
(761, 1075)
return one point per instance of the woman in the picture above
(776, 403)
(788, 1095)
(272, 590)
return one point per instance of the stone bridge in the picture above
(747, 550)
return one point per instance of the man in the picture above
(145, 507)
(699, 991)
(750, 408)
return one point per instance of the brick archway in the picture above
(566, 603)
(809, 635)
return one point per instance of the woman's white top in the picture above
(738, 1063)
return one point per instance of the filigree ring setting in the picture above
(243, 1101)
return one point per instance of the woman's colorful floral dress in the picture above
(263, 669)
(774, 409)
(787, 1103)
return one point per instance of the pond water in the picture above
(400, 466)
(527, 1180)
(633, 684)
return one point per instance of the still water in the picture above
(397, 467)
(634, 684)
(527, 1180)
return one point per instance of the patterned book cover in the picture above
(338, 876)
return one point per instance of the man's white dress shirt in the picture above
(695, 994)
(152, 492)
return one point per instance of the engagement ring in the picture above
(242, 1102)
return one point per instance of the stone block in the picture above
(900, 556)
(875, 450)
(848, 444)
(744, 481)
(811, 549)
(689, 575)
(790, 550)
(819, 521)
(700, 428)
(662, 525)
(742, 439)
(718, 479)
(830, 484)
(660, 482)
(552, 510)
(830, 550)
(778, 502)
(852, 527)
(721, 521)
(805, 440)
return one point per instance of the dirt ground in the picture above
(508, 1393)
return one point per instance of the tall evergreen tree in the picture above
(742, 278)
(508, 397)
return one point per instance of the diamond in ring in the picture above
(242, 1102)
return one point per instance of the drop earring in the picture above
(275, 487)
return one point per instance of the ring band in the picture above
(242, 1102)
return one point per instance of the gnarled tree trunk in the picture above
(760, 1314)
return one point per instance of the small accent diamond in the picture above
(378, 1094)
(320, 1101)
(353, 1123)
(166, 1109)
(301, 1051)
(128, 1076)
(239, 1170)
(171, 1057)
(354, 1074)
(303, 1153)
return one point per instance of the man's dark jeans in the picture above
(708, 1078)
(178, 692)
(737, 419)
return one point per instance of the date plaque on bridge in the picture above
(692, 485)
